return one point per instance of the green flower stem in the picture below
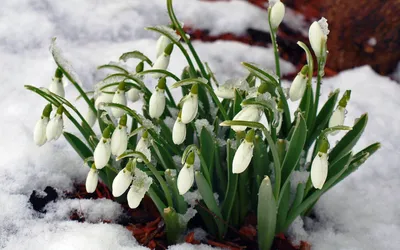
(170, 97)
(165, 72)
(217, 102)
(320, 72)
(271, 143)
(162, 182)
(272, 32)
(177, 25)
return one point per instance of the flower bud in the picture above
(57, 86)
(186, 175)
(140, 185)
(90, 117)
(319, 166)
(92, 180)
(119, 98)
(337, 118)
(143, 147)
(299, 85)
(123, 179)
(102, 151)
(190, 106)
(244, 154)
(119, 139)
(133, 95)
(162, 61)
(161, 45)
(55, 127)
(39, 134)
(318, 35)
(277, 14)
(249, 113)
(178, 132)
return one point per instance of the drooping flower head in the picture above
(92, 179)
(57, 86)
(55, 127)
(143, 146)
(123, 179)
(91, 116)
(102, 151)
(318, 35)
(338, 116)
(119, 138)
(179, 130)
(186, 175)
(319, 166)
(119, 98)
(244, 153)
(190, 105)
(162, 61)
(157, 100)
(39, 133)
(141, 183)
(299, 84)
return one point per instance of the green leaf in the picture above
(160, 71)
(79, 146)
(306, 105)
(209, 199)
(156, 199)
(189, 81)
(135, 54)
(207, 146)
(174, 229)
(283, 210)
(164, 156)
(262, 74)
(321, 122)
(231, 191)
(179, 202)
(293, 153)
(266, 215)
(260, 159)
(113, 67)
(244, 195)
(349, 140)
(299, 196)
(166, 31)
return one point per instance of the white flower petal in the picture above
(157, 104)
(133, 95)
(54, 128)
(121, 182)
(57, 87)
(249, 113)
(103, 98)
(189, 108)
(119, 141)
(178, 132)
(298, 87)
(102, 153)
(143, 147)
(140, 185)
(91, 180)
(337, 118)
(39, 133)
(185, 179)
(277, 14)
(119, 98)
(161, 63)
(242, 157)
(319, 170)
(162, 43)
(318, 34)
(225, 93)
(90, 117)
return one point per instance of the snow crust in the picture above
(360, 213)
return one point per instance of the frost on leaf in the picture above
(166, 31)
(63, 63)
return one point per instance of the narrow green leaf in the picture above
(156, 198)
(209, 199)
(113, 67)
(349, 140)
(207, 146)
(266, 215)
(165, 157)
(160, 71)
(174, 229)
(262, 74)
(78, 145)
(299, 196)
(135, 54)
(189, 81)
(179, 202)
(166, 31)
(283, 210)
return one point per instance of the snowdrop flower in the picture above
(227, 90)
(119, 138)
(140, 185)
(179, 131)
(39, 133)
(102, 152)
(103, 98)
(161, 45)
(119, 98)
(162, 61)
(337, 118)
(243, 154)
(318, 35)
(319, 166)
(133, 95)
(123, 179)
(186, 175)
(226, 93)
(299, 84)
(157, 100)
(190, 105)
(57, 86)
(250, 113)
(55, 127)
(92, 179)
(143, 146)
(277, 13)
(91, 116)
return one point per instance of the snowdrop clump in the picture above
(245, 168)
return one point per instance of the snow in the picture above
(360, 213)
